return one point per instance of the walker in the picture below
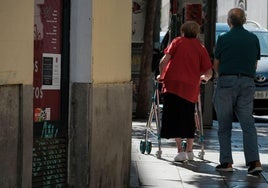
(146, 145)
(156, 107)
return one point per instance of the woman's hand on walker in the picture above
(159, 78)
(203, 79)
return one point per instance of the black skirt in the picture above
(178, 117)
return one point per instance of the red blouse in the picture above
(189, 60)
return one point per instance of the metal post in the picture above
(209, 30)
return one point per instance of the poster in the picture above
(47, 57)
(41, 114)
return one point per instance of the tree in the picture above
(145, 79)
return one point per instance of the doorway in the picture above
(50, 87)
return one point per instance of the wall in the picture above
(100, 101)
(111, 136)
(259, 16)
(101, 94)
(81, 41)
(16, 42)
(16, 91)
(111, 41)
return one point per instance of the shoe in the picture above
(254, 167)
(225, 167)
(190, 156)
(181, 156)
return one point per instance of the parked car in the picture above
(261, 78)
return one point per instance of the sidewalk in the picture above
(149, 172)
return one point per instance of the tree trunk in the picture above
(145, 77)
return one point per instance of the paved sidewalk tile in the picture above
(148, 171)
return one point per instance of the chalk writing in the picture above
(49, 130)
(49, 156)
(49, 162)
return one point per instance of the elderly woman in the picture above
(186, 62)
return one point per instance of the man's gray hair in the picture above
(237, 17)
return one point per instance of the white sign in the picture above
(261, 95)
(51, 71)
(138, 19)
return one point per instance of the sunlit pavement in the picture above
(149, 171)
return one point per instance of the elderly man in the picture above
(236, 56)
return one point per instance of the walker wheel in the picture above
(183, 145)
(142, 147)
(148, 147)
(201, 154)
(158, 154)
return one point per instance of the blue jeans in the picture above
(235, 94)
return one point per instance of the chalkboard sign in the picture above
(49, 154)
(49, 162)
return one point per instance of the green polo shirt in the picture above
(237, 50)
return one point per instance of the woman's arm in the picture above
(163, 65)
(206, 76)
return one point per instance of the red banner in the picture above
(47, 59)
(194, 13)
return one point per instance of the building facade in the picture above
(66, 93)
(255, 10)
